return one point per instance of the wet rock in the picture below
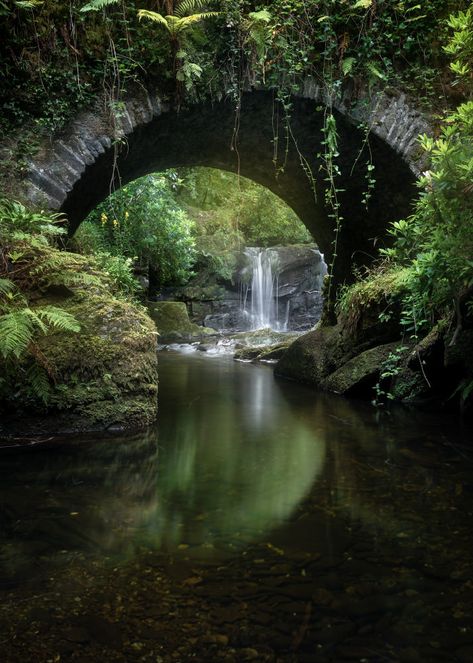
(358, 376)
(76, 634)
(173, 324)
(313, 356)
(333, 632)
(247, 354)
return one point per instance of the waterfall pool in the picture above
(258, 521)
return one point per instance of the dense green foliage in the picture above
(433, 248)
(32, 271)
(49, 49)
(24, 242)
(168, 224)
(425, 280)
(142, 223)
(224, 204)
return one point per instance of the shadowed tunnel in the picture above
(203, 137)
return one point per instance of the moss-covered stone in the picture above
(358, 376)
(101, 377)
(247, 354)
(313, 356)
(173, 324)
(271, 352)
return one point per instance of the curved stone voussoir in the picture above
(100, 152)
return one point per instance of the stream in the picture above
(259, 520)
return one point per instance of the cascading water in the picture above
(263, 312)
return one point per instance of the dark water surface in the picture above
(259, 521)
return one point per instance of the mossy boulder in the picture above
(103, 377)
(358, 376)
(272, 352)
(173, 324)
(369, 310)
(313, 356)
(107, 374)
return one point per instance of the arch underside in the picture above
(203, 137)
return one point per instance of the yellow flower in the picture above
(103, 218)
(115, 223)
(126, 215)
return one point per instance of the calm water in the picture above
(259, 521)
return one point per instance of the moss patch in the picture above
(313, 356)
(358, 376)
(105, 375)
(173, 324)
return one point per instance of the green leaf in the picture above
(347, 65)
(97, 5)
(16, 331)
(58, 318)
(39, 382)
(263, 15)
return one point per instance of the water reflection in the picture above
(228, 462)
(234, 459)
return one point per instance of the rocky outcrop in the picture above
(219, 303)
(313, 356)
(173, 324)
(359, 376)
(433, 372)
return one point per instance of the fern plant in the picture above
(20, 329)
(97, 5)
(18, 222)
(186, 14)
(25, 261)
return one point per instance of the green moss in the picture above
(106, 374)
(173, 324)
(358, 376)
(408, 386)
(378, 293)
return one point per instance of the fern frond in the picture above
(28, 4)
(75, 278)
(37, 377)
(58, 318)
(6, 286)
(16, 332)
(186, 7)
(97, 5)
(35, 319)
(263, 16)
(187, 21)
(154, 16)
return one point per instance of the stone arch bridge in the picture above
(93, 156)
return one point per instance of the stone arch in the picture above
(94, 156)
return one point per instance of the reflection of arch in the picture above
(76, 172)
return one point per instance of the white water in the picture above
(263, 310)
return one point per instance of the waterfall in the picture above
(263, 311)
